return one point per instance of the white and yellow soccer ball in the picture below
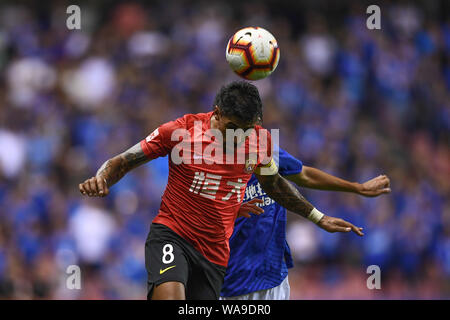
(253, 53)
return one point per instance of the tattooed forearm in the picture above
(283, 192)
(115, 168)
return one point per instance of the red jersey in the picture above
(202, 199)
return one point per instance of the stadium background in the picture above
(351, 101)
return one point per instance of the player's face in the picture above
(228, 122)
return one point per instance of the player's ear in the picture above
(259, 120)
(216, 112)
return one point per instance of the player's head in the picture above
(238, 106)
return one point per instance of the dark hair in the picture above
(240, 99)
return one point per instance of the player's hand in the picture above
(94, 187)
(332, 224)
(250, 206)
(375, 186)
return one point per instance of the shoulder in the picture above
(186, 121)
(282, 156)
(264, 137)
(287, 163)
(189, 120)
(259, 128)
(263, 134)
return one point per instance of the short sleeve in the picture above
(159, 143)
(287, 164)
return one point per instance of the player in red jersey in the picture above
(187, 249)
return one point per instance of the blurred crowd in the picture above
(348, 100)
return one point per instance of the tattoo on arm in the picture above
(286, 194)
(115, 168)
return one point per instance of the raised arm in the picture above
(283, 192)
(112, 171)
(316, 179)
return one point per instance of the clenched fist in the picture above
(375, 186)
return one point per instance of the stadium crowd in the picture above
(348, 100)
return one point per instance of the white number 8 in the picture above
(167, 251)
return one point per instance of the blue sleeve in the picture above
(287, 164)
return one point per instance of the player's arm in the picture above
(283, 192)
(314, 178)
(112, 171)
(158, 144)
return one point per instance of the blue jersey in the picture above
(259, 253)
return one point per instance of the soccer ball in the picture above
(253, 53)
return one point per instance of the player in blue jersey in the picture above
(260, 255)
